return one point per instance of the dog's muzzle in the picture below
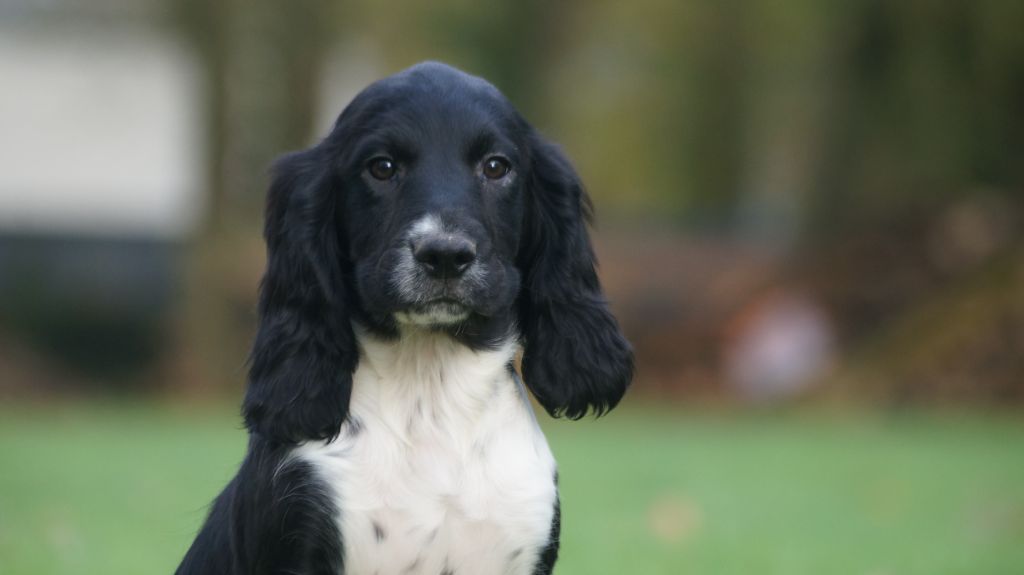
(438, 275)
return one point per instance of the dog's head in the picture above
(431, 205)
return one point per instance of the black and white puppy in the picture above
(411, 253)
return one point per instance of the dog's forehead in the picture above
(442, 75)
(434, 90)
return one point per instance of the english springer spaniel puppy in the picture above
(411, 254)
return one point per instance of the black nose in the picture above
(444, 256)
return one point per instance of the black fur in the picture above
(575, 358)
(549, 555)
(302, 361)
(337, 238)
(274, 517)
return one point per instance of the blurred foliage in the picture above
(818, 114)
(808, 115)
(866, 155)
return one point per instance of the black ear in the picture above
(575, 359)
(300, 375)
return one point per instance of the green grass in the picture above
(121, 488)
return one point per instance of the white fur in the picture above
(428, 224)
(441, 465)
(434, 314)
(407, 275)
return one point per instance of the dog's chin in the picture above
(434, 314)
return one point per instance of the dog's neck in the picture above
(430, 357)
(424, 370)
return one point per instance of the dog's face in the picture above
(433, 165)
(432, 204)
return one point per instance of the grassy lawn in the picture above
(121, 488)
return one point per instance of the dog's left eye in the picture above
(382, 168)
(496, 168)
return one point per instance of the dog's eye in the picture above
(496, 168)
(382, 168)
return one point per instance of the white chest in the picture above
(441, 467)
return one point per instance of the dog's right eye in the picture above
(382, 168)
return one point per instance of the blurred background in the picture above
(809, 220)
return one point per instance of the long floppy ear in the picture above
(300, 375)
(575, 358)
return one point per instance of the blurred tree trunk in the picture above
(262, 62)
(795, 78)
(702, 125)
(518, 46)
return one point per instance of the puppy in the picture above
(411, 254)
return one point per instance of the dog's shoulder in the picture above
(275, 514)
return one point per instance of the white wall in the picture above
(100, 132)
